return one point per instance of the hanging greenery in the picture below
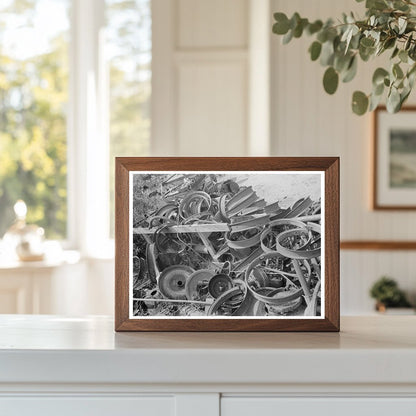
(389, 27)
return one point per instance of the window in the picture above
(33, 98)
(129, 46)
(75, 87)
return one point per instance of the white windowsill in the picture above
(65, 257)
(56, 256)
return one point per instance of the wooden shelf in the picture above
(378, 245)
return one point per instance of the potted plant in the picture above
(388, 295)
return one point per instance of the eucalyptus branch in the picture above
(388, 26)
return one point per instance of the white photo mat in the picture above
(269, 174)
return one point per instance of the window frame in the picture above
(87, 133)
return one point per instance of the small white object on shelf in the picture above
(23, 240)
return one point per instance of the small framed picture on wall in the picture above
(394, 167)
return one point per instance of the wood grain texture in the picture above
(330, 165)
(375, 204)
(121, 244)
(332, 225)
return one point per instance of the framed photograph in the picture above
(394, 178)
(227, 244)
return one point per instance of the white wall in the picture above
(211, 92)
(200, 75)
(308, 122)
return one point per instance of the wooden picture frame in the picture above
(391, 190)
(129, 315)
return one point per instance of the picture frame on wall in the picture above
(394, 159)
(227, 244)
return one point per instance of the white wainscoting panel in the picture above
(201, 51)
(212, 108)
(212, 24)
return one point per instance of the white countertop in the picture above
(52, 349)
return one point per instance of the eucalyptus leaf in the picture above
(367, 42)
(330, 80)
(352, 32)
(355, 41)
(411, 78)
(402, 22)
(412, 70)
(314, 27)
(322, 36)
(350, 18)
(395, 52)
(400, 5)
(374, 102)
(294, 20)
(412, 52)
(394, 26)
(388, 24)
(389, 43)
(315, 50)
(376, 4)
(378, 89)
(397, 71)
(366, 53)
(359, 103)
(399, 85)
(393, 101)
(346, 34)
(298, 30)
(376, 36)
(404, 96)
(350, 73)
(341, 62)
(379, 75)
(403, 56)
(281, 27)
(327, 53)
(288, 37)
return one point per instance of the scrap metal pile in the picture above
(213, 247)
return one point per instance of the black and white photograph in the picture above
(226, 244)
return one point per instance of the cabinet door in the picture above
(88, 406)
(273, 406)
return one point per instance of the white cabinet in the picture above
(51, 365)
(202, 405)
(270, 406)
(88, 406)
